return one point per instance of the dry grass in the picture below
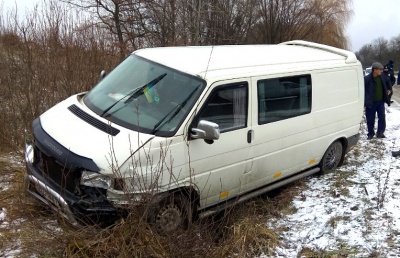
(32, 229)
(239, 232)
(28, 228)
(309, 253)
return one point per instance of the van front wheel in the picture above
(170, 214)
(332, 157)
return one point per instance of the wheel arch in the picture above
(173, 209)
(344, 143)
(343, 140)
(189, 191)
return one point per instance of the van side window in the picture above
(227, 107)
(282, 98)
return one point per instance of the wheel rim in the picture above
(333, 156)
(169, 218)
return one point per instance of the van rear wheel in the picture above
(170, 214)
(332, 157)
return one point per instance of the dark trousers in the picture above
(379, 108)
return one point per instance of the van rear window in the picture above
(283, 98)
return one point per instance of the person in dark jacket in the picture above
(398, 79)
(390, 72)
(377, 88)
(392, 79)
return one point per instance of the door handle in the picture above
(249, 136)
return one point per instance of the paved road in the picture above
(396, 90)
(396, 94)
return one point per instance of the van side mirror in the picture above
(206, 130)
(102, 75)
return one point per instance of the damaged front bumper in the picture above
(91, 206)
(49, 197)
(58, 186)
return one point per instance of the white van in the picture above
(194, 130)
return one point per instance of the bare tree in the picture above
(314, 20)
(227, 22)
(331, 18)
(380, 50)
(162, 22)
(197, 22)
(280, 20)
(393, 48)
(377, 51)
(44, 59)
(122, 18)
(190, 21)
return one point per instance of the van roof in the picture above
(212, 61)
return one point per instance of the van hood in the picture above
(75, 127)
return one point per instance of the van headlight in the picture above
(93, 179)
(29, 153)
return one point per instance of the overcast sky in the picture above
(372, 19)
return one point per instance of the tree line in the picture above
(59, 48)
(380, 50)
(136, 24)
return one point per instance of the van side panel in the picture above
(288, 146)
(334, 89)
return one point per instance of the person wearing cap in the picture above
(389, 74)
(377, 88)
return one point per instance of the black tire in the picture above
(332, 157)
(170, 214)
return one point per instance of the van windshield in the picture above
(144, 96)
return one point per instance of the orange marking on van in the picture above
(223, 194)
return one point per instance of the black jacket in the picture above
(370, 89)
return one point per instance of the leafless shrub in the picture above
(45, 58)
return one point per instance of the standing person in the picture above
(377, 87)
(390, 72)
(398, 79)
(390, 75)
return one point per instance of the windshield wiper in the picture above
(134, 93)
(177, 108)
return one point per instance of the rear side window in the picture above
(282, 98)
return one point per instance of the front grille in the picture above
(67, 178)
(93, 121)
